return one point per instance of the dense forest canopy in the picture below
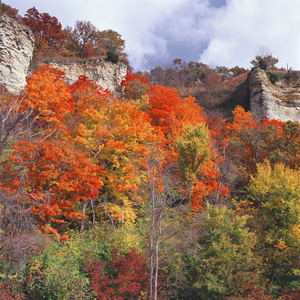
(173, 191)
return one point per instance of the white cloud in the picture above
(232, 34)
(245, 25)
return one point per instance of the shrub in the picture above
(273, 77)
(263, 64)
(112, 56)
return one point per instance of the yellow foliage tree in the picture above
(275, 197)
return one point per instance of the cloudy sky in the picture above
(215, 32)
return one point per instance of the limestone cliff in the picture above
(104, 73)
(16, 49)
(280, 101)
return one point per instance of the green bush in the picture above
(263, 64)
(112, 56)
(57, 274)
(273, 77)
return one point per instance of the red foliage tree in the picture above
(9, 11)
(58, 176)
(135, 86)
(163, 102)
(49, 169)
(44, 27)
(129, 280)
(88, 39)
(7, 291)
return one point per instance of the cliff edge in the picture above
(280, 101)
(16, 49)
(17, 44)
(104, 73)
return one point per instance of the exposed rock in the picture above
(16, 49)
(104, 73)
(280, 101)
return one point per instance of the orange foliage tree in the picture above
(170, 114)
(251, 141)
(49, 169)
(116, 134)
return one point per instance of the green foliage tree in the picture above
(221, 261)
(56, 274)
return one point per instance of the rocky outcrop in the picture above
(16, 49)
(104, 73)
(280, 101)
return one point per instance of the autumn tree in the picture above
(19, 236)
(287, 145)
(9, 11)
(14, 124)
(114, 133)
(162, 190)
(113, 42)
(171, 115)
(264, 58)
(163, 106)
(197, 70)
(250, 141)
(177, 74)
(47, 30)
(85, 40)
(274, 199)
(47, 93)
(129, 276)
(135, 86)
(236, 71)
(224, 72)
(58, 175)
(193, 147)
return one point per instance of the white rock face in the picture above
(276, 102)
(16, 49)
(104, 73)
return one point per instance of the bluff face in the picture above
(280, 101)
(16, 50)
(106, 74)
